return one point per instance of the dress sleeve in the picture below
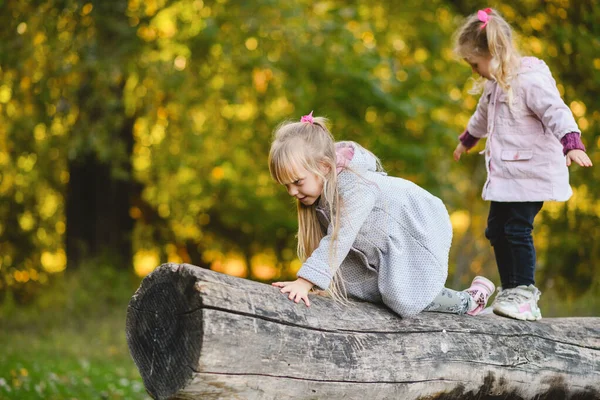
(357, 201)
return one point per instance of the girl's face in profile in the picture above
(307, 187)
(480, 65)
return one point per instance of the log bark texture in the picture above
(198, 334)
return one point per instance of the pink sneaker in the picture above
(481, 289)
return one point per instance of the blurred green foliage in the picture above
(178, 99)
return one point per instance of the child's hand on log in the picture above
(298, 290)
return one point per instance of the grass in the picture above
(70, 342)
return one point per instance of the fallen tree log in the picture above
(198, 334)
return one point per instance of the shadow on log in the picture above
(198, 334)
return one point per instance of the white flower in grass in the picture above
(4, 385)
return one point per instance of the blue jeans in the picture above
(509, 231)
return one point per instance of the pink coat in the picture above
(523, 153)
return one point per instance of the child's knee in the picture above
(493, 234)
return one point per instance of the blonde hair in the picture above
(310, 146)
(495, 40)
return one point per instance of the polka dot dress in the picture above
(393, 241)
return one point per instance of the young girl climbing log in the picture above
(362, 233)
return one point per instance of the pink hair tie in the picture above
(484, 16)
(307, 118)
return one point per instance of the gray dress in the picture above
(393, 241)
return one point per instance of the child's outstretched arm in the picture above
(544, 100)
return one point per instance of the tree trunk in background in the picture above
(97, 208)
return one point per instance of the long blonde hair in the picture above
(495, 40)
(312, 147)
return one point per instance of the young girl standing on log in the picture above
(363, 233)
(530, 131)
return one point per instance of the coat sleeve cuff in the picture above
(572, 141)
(468, 140)
(315, 276)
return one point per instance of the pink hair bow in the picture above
(484, 16)
(307, 118)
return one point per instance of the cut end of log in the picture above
(163, 334)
